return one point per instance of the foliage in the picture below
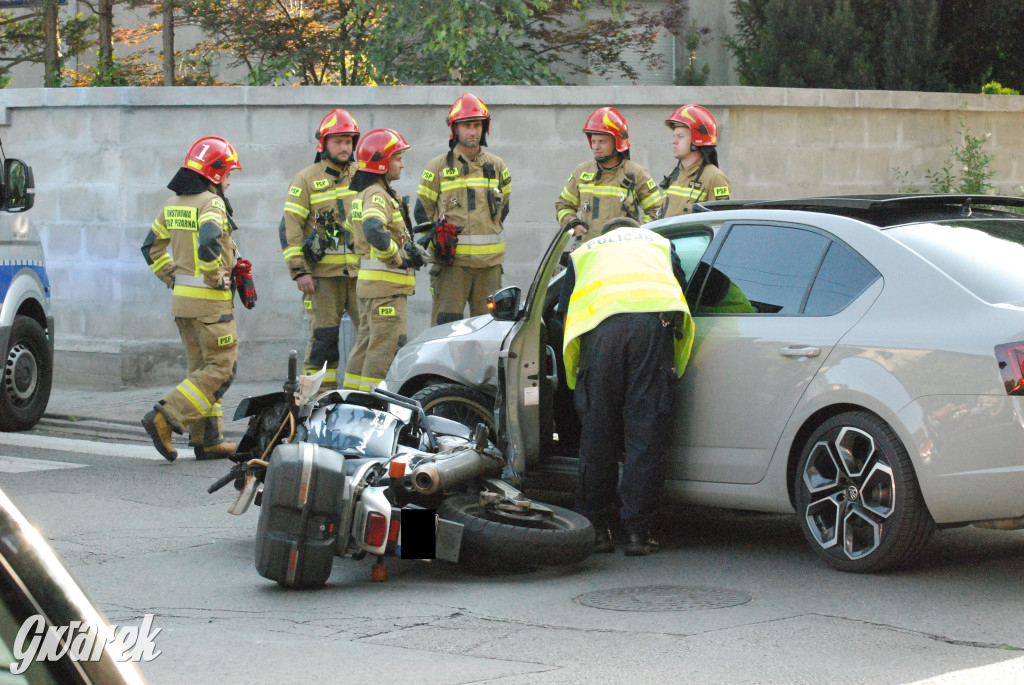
(799, 44)
(692, 75)
(931, 45)
(996, 88)
(968, 170)
(313, 42)
(22, 38)
(516, 41)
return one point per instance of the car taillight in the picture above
(393, 533)
(1011, 365)
(376, 529)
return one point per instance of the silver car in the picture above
(857, 360)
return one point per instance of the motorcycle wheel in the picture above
(497, 537)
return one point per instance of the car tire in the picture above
(857, 498)
(459, 403)
(499, 538)
(27, 376)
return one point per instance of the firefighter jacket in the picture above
(596, 195)
(190, 247)
(473, 195)
(379, 232)
(627, 271)
(318, 191)
(696, 183)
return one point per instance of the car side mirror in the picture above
(16, 191)
(504, 304)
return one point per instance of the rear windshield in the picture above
(986, 256)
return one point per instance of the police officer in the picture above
(316, 247)
(190, 248)
(387, 258)
(466, 189)
(609, 186)
(696, 176)
(628, 336)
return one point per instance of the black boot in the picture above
(640, 544)
(603, 543)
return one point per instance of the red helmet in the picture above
(468, 108)
(374, 151)
(336, 121)
(608, 120)
(703, 129)
(211, 157)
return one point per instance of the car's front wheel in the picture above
(857, 497)
(27, 375)
(459, 403)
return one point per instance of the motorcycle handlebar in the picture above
(231, 476)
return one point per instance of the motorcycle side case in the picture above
(303, 503)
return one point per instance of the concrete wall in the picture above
(102, 158)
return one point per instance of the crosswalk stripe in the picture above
(104, 449)
(23, 465)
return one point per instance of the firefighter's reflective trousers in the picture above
(382, 322)
(331, 298)
(211, 351)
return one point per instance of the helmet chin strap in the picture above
(605, 158)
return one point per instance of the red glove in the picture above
(241, 276)
(446, 237)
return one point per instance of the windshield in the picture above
(984, 256)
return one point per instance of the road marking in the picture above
(103, 449)
(23, 465)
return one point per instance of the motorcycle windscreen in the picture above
(354, 431)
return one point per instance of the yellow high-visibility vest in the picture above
(628, 270)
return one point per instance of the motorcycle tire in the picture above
(501, 538)
(459, 403)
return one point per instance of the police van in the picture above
(26, 317)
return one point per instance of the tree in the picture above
(42, 37)
(515, 41)
(314, 42)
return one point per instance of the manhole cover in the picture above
(663, 598)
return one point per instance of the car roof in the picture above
(885, 209)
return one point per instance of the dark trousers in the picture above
(623, 397)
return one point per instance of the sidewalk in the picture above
(116, 415)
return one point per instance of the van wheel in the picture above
(459, 403)
(27, 376)
(857, 499)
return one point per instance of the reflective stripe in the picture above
(201, 293)
(159, 229)
(340, 258)
(569, 197)
(565, 214)
(296, 209)
(161, 262)
(292, 251)
(194, 395)
(480, 244)
(427, 193)
(687, 193)
(366, 274)
(214, 412)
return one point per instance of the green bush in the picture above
(996, 88)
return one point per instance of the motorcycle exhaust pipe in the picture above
(459, 467)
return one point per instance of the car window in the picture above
(761, 269)
(843, 276)
(690, 249)
(984, 256)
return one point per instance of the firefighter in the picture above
(609, 186)
(388, 258)
(628, 335)
(191, 249)
(316, 247)
(465, 194)
(696, 176)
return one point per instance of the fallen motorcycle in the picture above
(352, 473)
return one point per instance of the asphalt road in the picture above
(730, 598)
